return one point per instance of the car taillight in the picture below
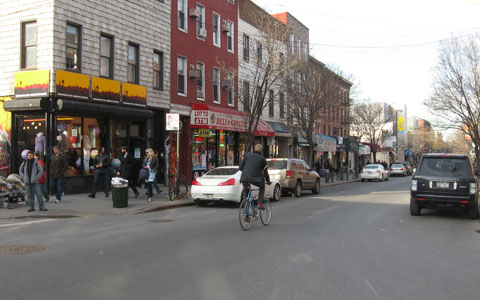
(231, 181)
(401, 169)
(390, 169)
(289, 173)
(195, 182)
(378, 171)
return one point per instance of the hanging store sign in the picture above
(105, 90)
(72, 85)
(32, 84)
(134, 94)
(325, 143)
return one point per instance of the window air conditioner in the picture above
(193, 73)
(200, 94)
(225, 26)
(193, 12)
(226, 83)
(202, 32)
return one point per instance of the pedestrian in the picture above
(31, 171)
(58, 167)
(152, 165)
(127, 168)
(102, 169)
(41, 182)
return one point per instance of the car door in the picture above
(309, 175)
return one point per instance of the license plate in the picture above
(443, 185)
(208, 196)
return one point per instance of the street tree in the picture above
(455, 99)
(314, 91)
(369, 122)
(264, 62)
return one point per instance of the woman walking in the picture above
(152, 165)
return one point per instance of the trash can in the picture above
(120, 195)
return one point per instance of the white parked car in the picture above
(398, 170)
(374, 171)
(223, 184)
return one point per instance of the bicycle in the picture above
(249, 211)
(174, 189)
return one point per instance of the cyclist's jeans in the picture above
(261, 191)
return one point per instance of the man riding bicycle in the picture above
(254, 171)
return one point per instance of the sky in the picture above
(390, 47)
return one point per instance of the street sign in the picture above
(173, 122)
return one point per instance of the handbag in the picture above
(142, 174)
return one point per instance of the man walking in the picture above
(31, 171)
(127, 168)
(101, 170)
(58, 167)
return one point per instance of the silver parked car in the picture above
(398, 170)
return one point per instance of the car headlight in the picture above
(413, 187)
(473, 188)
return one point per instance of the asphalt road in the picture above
(354, 241)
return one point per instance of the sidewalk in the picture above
(80, 205)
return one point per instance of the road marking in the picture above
(373, 290)
(27, 223)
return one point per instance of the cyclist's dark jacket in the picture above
(254, 168)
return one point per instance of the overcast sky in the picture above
(389, 46)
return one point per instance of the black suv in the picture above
(447, 181)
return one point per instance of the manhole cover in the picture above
(161, 221)
(19, 249)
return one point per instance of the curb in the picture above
(160, 208)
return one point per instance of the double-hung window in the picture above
(230, 35)
(246, 47)
(133, 61)
(230, 89)
(216, 29)
(106, 56)
(292, 43)
(270, 103)
(201, 31)
(216, 85)
(259, 53)
(282, 105)
(158, 70)
(73, 47)
(182, 15)
(29, 45)
(182, 76)
(201, 81)
(246, 96)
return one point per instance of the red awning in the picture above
(220, 118)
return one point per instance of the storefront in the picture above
(325, 149)
(279, 146)
(218, 137)
(80, 120)
(5, 148)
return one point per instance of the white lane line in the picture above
(27, 223)
(373, 290)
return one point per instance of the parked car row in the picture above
(379, 172)
(288, 175)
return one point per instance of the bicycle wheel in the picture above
(245, 216)
(266, 214)
(171, 191)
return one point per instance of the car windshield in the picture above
(277, 164)
(222, 171)
(397, 166)
(446, 166)
(372, 166)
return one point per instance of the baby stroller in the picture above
(12, 191)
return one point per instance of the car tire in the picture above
(297, 191)
(316, 188)
(277, 191)
(414, 207)
(472, 213)
(201, 203)
(362, 180)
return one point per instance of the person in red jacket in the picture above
(41, 182)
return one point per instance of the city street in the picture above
(352, 241)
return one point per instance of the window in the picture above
(216, 30)
(73, 47)
(246, 96)
(282, 105)
(106, 56)
(182, 15)
(201, 31)
(246, 47)
(158, 70)
(230, 89)
(292, 43)
(230, 34)
(133, 63)
(181, 76)
(216, 85)
(259, 53)
(29, 45)
(200, 81)
(270, 103)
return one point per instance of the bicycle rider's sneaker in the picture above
(260, 206)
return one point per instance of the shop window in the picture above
(69, 139)
(200, 151)
(93, 130)
(32, 134)
(230, 143)
(118, 136)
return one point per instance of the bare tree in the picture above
(455, 99)
(459, 143)
(368, 122)
(264, 64)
